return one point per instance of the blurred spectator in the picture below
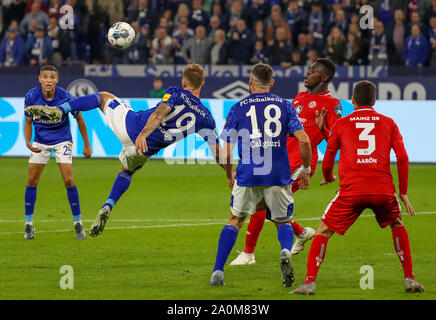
(139, 51)
(416, 19)
(431, 11)
(416, 48)
(259, 32)
(296, 18)
(314, 44)
(396, 33)
(352, 50)
(260, 54)
(11, 49)
(432, 40)
(340, 21)
(158, 91)
(280, 51)
(297, 58)
(38, 47)
(218, 53)
(316, 20)
(197, 49)
(257, 10)
(235, 13)
(161, 47)
(36, 13)
(335, 49)
(276, 21)
(170, 21)
(53, 35)
(98, 26)
(182, 13)
(302, 45)
(240, 44)
(412, 7)
(54, 9)
(144, 15)
(217, 10)
(214, 25)
(378, 48)
(179, 39)
(130, 10)
(114, 9)
(198, 17)
(312, 56)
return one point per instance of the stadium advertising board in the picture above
(414, 119)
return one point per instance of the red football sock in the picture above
(298, 230)
(316, 257)
(253, 230)
(402, 247)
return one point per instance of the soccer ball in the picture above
(121, 35)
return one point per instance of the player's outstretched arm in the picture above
(306, 153)
(152, 124)
(87, 150)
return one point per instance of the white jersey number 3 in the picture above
(365, 136)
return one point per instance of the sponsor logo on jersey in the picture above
(298, 109)
(338, 110)
(312, 104)
(166, 97)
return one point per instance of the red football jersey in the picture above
(306, 104)
(366, 138)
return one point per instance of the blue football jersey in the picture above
(260, 124)
(47, 131)
(188, 115)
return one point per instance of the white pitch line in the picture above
(115, 220)
(183, 224)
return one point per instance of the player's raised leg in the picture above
(35, 171)
(73, 198)
(120, 186)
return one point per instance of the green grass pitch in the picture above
(161, 239)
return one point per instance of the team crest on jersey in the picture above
(338, 110)
(298, 109)
(312, 104)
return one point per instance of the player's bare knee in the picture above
(69, 182)
(32, 181)
(236, 221)
(396, 223)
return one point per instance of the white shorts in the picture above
(115, 113)
(63, 153)
(278, 199)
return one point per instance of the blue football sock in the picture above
(73, 199)
(285, 234)
(225, 245)
(121, 184)
(29, 202)
(84, 103)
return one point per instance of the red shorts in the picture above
(342, 211)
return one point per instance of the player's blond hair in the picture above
(194, 75)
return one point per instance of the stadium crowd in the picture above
(286, 33)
